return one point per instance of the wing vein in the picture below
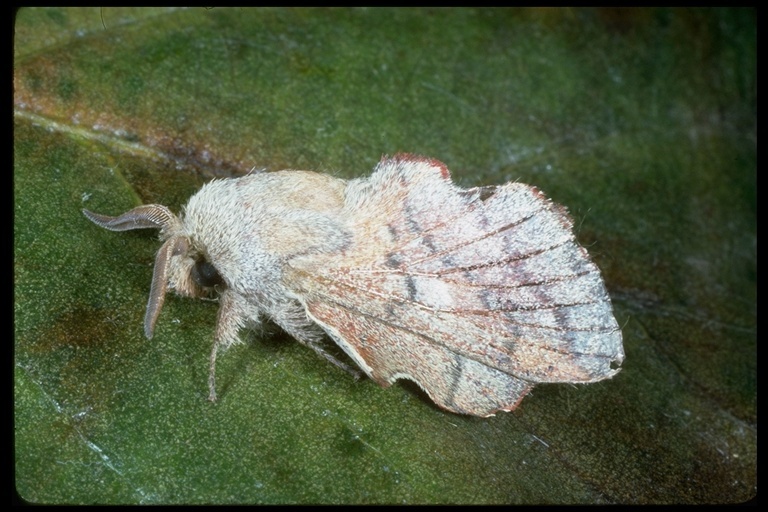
(480, 238)
(437, 342)
(498, 286)
(473, 312)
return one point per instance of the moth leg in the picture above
(230, 320)
(292, 318)
(340, 364)
(212, 373)
(307, 338)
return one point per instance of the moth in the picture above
(476, 294)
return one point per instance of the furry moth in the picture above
(474, 294)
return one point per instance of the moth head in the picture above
(177, 263)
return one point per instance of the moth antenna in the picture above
(173, 246)
(154, 216)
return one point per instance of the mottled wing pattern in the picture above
(476, 295)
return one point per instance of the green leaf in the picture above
(641, 122)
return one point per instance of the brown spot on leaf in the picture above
(79, 327)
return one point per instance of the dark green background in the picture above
(641, 122)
